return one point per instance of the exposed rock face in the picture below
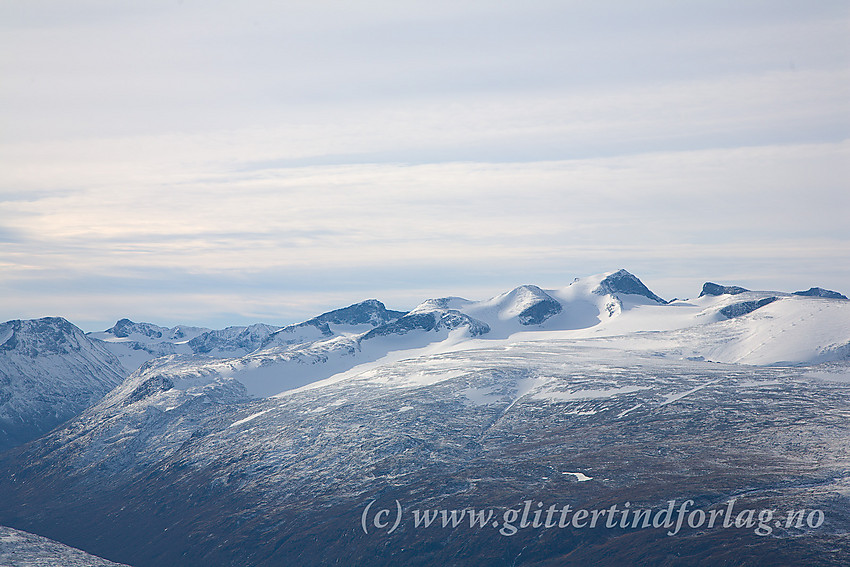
(535, 305)
(539, 312)
(150, 387)
(125, 328)
(370, 312)
(820, 292)
(435, 320)
(624, 282)
(745, 307)
(709, 288)
(232, 340)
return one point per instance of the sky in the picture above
(219, 163)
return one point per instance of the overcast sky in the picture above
(218, 163)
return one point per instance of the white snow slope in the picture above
(607, 311)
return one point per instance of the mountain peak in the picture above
(49, 372)
(820, 292)
(369, 312)
(529, 304)
(710, 288)
(126, 328)
(624, 282)
(48, 335)
(434, 320)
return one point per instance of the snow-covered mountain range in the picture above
(615, 310)
(261, 445)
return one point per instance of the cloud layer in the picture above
(208, 164)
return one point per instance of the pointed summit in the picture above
(528, 303)
(626, 283)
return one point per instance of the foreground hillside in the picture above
(224, 481)
(22, 549)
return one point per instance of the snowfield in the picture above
(591, 312)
